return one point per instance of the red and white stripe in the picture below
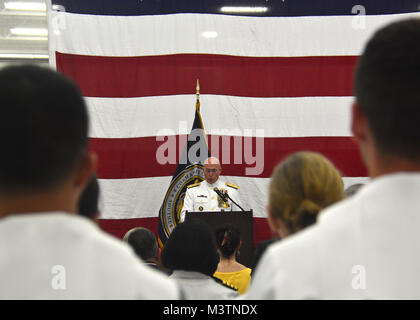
(290, 77)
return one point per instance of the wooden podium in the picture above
(241, 219)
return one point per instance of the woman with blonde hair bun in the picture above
(301, 186)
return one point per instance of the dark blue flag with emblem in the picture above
(189, 170)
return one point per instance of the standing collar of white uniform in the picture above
(182, 274)
(217, 184)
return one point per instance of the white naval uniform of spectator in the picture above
(202, 197)
(58, 255)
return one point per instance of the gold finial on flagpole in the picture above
(198, 90)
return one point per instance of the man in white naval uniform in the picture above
(202, 197)
(367, 246)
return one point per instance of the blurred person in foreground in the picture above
(300, 187)
(88, 205)
(365, 247)
(47, 251)
(228, 240)
(191, 253)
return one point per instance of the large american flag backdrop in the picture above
(287, 71)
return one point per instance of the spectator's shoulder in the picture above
(339, 212)
(289, 269)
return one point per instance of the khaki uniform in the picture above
(201, 197)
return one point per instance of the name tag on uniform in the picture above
(201, 198)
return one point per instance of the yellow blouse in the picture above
(239, 279)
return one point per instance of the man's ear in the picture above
(363, 136)
(85, 171)
(358, 124)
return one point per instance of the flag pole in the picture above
(185, 174)
(197, 107)
(197, 88)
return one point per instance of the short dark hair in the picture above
(386, 86)
(353, 189)
(89, 199)
(191, 247)
(143, 241)
(43, 128)
(228, 238)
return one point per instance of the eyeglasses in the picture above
(207, 170)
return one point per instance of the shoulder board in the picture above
(234, 186)
(193, 185)
(225, 283)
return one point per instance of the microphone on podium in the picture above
(225, 197)
(220, 194)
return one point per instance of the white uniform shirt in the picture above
(198, 286)
(365, 247)
(203, 198)
(64, 256)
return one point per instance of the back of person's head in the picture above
(353, 189)
(301, 186)
(228, 240)
(191, 247)
(386, 86)
(43, 129)
(89, 200)
(143, 241)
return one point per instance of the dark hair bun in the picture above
(228, 239)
